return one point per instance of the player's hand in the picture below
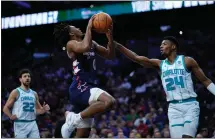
(109, 34)
(90, 23)
(46, 107)
(13, 117)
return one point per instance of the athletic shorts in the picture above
(26, 129)
(183, 118)
(81, 97)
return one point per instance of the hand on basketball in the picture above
(109, 33)
(46, 107)
(90, 23)
(13, 117)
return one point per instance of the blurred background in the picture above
(141, 110)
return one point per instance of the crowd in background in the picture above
(141, 109)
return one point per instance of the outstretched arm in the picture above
(142, 60)
(85, 44)
(194, 67)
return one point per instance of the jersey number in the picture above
(28, 107)
(171, 81)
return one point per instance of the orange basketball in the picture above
(102, 22)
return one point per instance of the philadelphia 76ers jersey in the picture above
(84, 68)
(176, 79)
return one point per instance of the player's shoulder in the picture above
(71, 44)
(188, 57)
(190, 62)
(158, 62)
(14, 92)
(34, 92)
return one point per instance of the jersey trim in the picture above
(167, 61)
(18, 94)
(183, 100)
(29, 90)
(177, 125)
(24, 121)
(181, 124)
(161, 64)
(183, 61)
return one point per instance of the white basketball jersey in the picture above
(24, 106)
(176, 79)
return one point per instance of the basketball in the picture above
(102, 22)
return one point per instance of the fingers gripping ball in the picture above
(102, 22)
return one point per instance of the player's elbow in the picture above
(5, 109)
(137, 59)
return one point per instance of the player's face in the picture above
(25, 79)
(76, 31)
(166, 48)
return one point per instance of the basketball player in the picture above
(25, 105)
(183, 111)
(86, 98)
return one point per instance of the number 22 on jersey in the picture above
(28, 107)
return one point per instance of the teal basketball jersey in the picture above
(176, 79)
(24, 106)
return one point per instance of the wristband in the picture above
(211, 88)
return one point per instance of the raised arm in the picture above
(109, 52)
(194, 67)
(85, 44)
(9, 104)
(142, 60)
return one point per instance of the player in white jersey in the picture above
(175, 70)
(25, 105)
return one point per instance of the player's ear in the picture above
(174, 46)
(20, 79)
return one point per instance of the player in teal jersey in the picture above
(25, 105)
(175, 70)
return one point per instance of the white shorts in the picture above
(183, 119)
(94, 95)
(24, 129)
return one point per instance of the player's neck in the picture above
(171, 58)
(26, 88)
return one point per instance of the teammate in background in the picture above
(25, 105)
(175, 71)
(86, 98)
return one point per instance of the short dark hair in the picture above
(172, 39)
(23, 71)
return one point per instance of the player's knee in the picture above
(66, 113)
(110, 102)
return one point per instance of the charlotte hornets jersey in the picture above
(176, 79)
(24, 106)
(84, 67)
